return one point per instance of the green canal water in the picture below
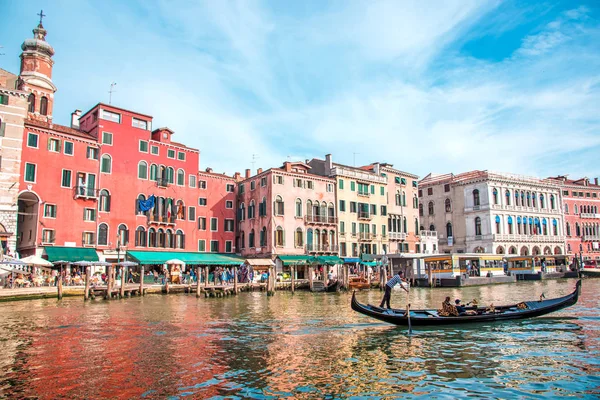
(302, 346)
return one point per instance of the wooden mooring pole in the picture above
(123, 280)
(198, 275)
(141, 280)
(86, 294)
(58, 285)
(293, 272)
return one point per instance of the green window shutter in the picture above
(383, 227)
(403, 181)
(342, 227)
(2, 128)
(354, 228)
(372, 189)
(382, 191)
(352, 186)
(341, 184)
(30, 172)
(397, 180)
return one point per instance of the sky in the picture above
(428, 86)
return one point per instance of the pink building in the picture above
(286, 211)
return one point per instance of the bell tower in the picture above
(35, 75)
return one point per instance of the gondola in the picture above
(591, 272)
(333, 286)
(522, 310)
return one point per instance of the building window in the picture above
(30, 172)
(214, 246)
(106, 164)
(180, 177)
(353, 207)
(430, 208)
(179, 240)
(202, 245)
(66, 178)
(384, 210)
(507, 195)
(192, 181)
(202, 201)
(31, 101)
(251, 239)
(142, 170)
(201, 223)
(298, 208)
(110, 116)
(107, 138)
(568, 229)
(32, 140)
(421, 209)
(263, 237)
(139, 123)
(92, 153)
(449, 230)
(143, 146)
(44, 105)
(279, 206)
(477, 226)
(279, 237)
(104, 205)
(497, 224)
(54, 145)
(229, 204)
(299, 238)
(171, 153)
(228, 246)
(48, 236)
(510, 226)
(342, 205)
(495, 196)
(476, 201)
(430, 191)
(140, 236)
(229, 223)
(230, 188)
(154, 150)
(68, 148)
(89, 238)
(214, 224)
(89, 214)
(552, 204)
(448, 205)
(191, 213)
(447, 187)
(181, 155)
(49, 210)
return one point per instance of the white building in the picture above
(487, 212)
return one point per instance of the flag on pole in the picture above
(169, 202)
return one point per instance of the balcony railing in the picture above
(364, 215)
(529, 238)
(162, 182)
(320, 219)
(364, 236)
(428, 234)
(589, 215)
(591, 237)
(397, 235)
(161, 219)
(84, 192)
(322, 248)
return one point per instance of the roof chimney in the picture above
(247, 173)
(259, 171)
(75, 119)
(595, 181)
(236, 176)
(328, 162)
(287, 166)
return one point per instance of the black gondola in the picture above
(526, 309)
(333, 286)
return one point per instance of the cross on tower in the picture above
(42, 15)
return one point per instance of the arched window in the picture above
(477, 226)
(299, 238)
(544, 226)
(415, 201)
(140, 236)
(31, 101)
(416, 226)
(398, 198)
(151, 237)
(154, 172)
(430, 207)
(497, 224)
(298, 208)
(509, 220)
(103, 234)
(528, 199)
(123, 233)
(104, 201)
(170, 174)
(554, 227)
(278, 206)
(517, 203)
(169, 239)
(179, 240)
(142, 170)
(279, 237)
(180, 209)
(507, 195)
(568, 226)
(251, 208)
(421, 209)
(476, 200)
(533, 200)
(160, 237)
(542, 201)
(106, 164)
(242, 212)
(575, 209)
(44, 105)
(242, 239)
(404, 223)
(251, 239)
(432, 228)
(331, 213)
(139, 199)
(552, 205)
(448, 205)
(577, 229)
(495, 195)
(263, 237)
(309, 210)
(449, 230)
(180, 177)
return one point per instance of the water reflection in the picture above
(302, 346)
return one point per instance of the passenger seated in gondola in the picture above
(459, 308)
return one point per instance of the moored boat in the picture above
(591, 272)
(358, 283)
(527, 309)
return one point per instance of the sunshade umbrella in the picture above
(37, 261)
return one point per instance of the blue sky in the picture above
(428, 86)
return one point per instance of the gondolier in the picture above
(396, 279)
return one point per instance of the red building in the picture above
(582, 219)
(110, 182)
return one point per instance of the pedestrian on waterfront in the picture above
(396, 279)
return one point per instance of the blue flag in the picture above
(146, 205)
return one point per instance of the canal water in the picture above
(302, 346)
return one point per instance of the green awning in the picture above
(329, 260)
(71, 254)
(190, 258)
(296, 260)
(369, 263)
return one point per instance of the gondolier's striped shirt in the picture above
(394, 281)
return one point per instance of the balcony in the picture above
(364, 215)
(161, 220)
(363, 194)
(397, 235)
(162, 182)
(591, 237)
(320, 219)
(432, 234)
(364, 236)
(322, 248)
(84, 192)
(529, 238)
(589, 215)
